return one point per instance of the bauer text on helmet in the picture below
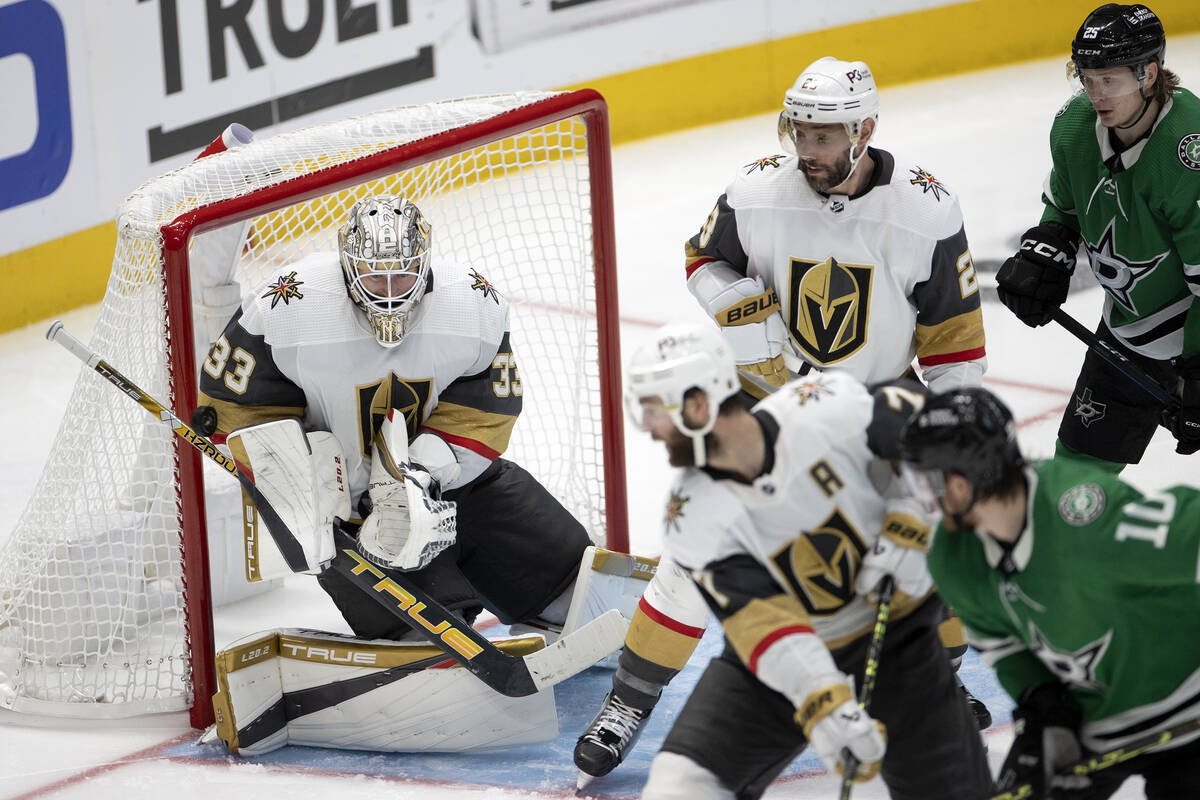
(830, 92)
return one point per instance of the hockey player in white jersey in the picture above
(406, 361)
(785, 518)
(837, 255)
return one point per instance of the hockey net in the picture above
(105, 607)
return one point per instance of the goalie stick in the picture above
(509, 675)
(887, 587)
(1116, 359)
(1118, 755)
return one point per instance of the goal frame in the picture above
(586, 104)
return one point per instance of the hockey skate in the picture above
(607, 739)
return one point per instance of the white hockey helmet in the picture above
(384, 247)
(682, 357)
(828, 91)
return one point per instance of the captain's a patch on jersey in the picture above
(675, 506)
(481, 284)
(285, 288)
(761, 164)
(928, 183)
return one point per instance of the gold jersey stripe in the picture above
(489, 429)
(760, 618)
(231, 416)
(959, 333)
(659, 644)
(951, 633)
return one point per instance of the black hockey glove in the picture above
(1184, 422)
(1035, 281)
(1045, 741)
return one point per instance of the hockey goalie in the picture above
(369, 394)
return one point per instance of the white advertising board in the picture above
(98, 96)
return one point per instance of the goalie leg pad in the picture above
(302, 477)
(327, 690)
(607, 579)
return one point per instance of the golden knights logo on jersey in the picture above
(820, 566)
(674, 510)
(285, 288)
(829, 305)
(409, 397)
(761, 164)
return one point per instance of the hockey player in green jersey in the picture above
(1081, 592)
(1125, 182)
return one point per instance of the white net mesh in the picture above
(92, 586)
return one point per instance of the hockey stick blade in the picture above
(578, 650)
(1119, 755)
(507, 674)
(1116, 359)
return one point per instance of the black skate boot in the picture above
(607, 739)
(983, 717)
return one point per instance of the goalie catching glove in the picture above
(408, 524)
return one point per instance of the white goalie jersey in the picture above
(863, 283)
(298, 347)
(781, 554)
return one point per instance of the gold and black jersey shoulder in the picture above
(949, 316)
(893, 404)
(717, 241)
(479, 411)
(241, 382)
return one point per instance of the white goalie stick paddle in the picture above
(507, 674)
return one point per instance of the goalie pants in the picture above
(1109, 416)
(745, 734)
(517, 550)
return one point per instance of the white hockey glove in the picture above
(749, 316)
(408, 525)
(899, 551)
(835, 725)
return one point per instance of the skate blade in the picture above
(582, 781)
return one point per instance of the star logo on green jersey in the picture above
(1119, 275)
(1077, 667)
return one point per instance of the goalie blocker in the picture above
(330, 690)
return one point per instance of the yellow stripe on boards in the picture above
(56, 276)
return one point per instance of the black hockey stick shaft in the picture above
(887, 588)
(1119, 755)
(507, 674)
(1115, 358)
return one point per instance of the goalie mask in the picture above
(682, 357)
(829, 91)
(385, 262)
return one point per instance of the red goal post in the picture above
(105, 607)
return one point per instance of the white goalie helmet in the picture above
(384, 248)
(830, 90)
(681, 357)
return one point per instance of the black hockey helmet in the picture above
(1117, 35)
(969, 432)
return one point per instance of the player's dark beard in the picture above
(681, 452)
(825, 181)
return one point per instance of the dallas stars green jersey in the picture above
(1139, 218)
(1100, 592)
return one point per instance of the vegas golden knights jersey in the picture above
(780, 555)
(864, 283)
(299, 347)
